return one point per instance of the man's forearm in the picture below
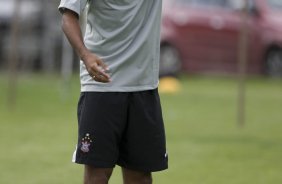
(94, 65)
(72, 30)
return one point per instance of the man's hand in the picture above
(96, 68)
(94, 65)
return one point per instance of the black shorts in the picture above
(123, 128)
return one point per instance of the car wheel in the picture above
(170, 63)
(274, 63)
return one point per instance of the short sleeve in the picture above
(77, 6)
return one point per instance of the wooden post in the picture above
(242, 65)
(13, 57)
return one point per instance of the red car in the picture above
(203, 36)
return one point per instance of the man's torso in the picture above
(126, 35)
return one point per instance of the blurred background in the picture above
(220, 86)
(39, 43)
(204, 36)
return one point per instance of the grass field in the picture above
(204, 143)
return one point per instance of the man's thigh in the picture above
(143, 145)
(101, 120)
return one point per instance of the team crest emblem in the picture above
(86, 142)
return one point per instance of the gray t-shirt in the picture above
(125, 34)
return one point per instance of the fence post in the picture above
(242, 65)
(13, 57)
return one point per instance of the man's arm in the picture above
(94, 65)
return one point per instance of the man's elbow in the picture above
(69, 17)
(64, 23)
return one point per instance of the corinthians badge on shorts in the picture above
(85, 143)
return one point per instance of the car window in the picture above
(239, 4)
(226, 4)
(203, 3)
(235, 4)
(275, 4)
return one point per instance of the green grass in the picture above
(205, 145)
